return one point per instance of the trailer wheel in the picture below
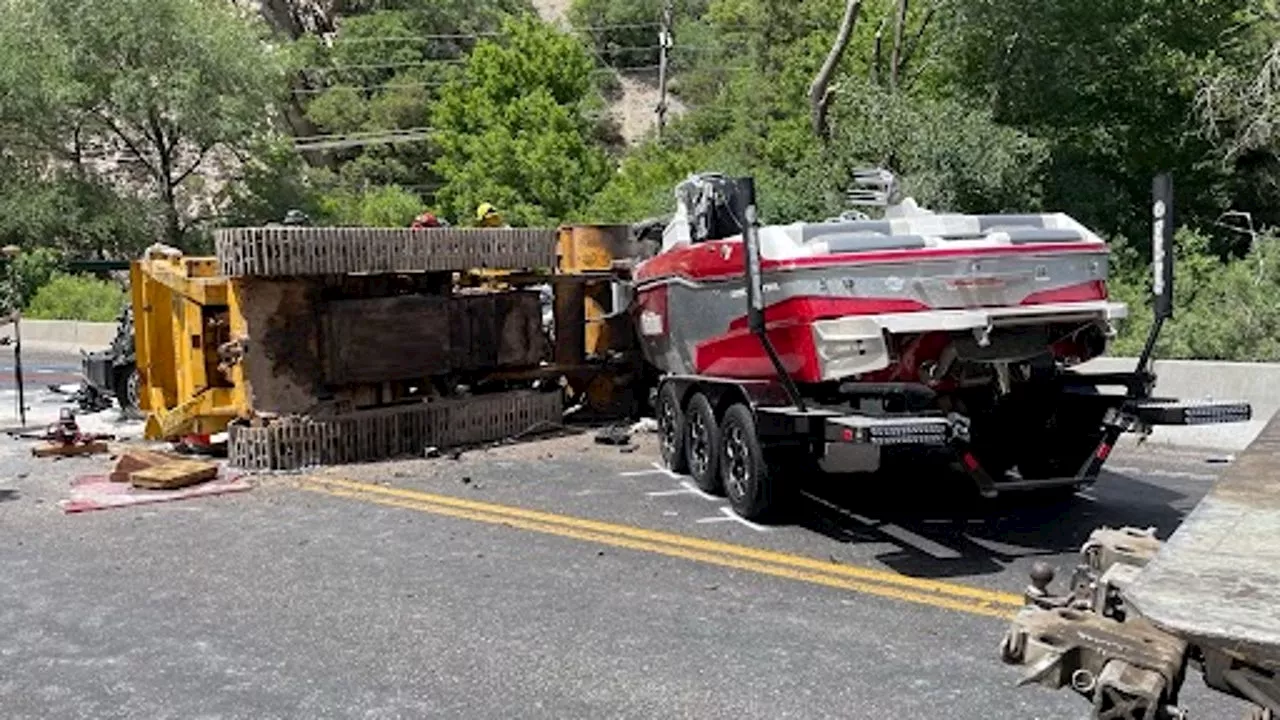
(127, 386)
(703, 445)
(671, 430)
(748, 481)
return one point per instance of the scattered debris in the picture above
(134, 460)
(628, 449)
(64, 439)
(1220, 459)
(455, 455)
(466, 479)
(173, 475)
(432, 452)
(59, 450)
(97, 492)
(645, 425)
(614, 435)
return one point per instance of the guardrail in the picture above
(1257, 383)
(68, 333)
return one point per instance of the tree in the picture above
(158, 89)
(949, 155)
(381, 72)
(77, 216)
(515, 129)
(1109, 84)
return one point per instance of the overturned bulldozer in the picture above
(314, 346)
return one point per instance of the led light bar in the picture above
(1168, 412)
(890, 431)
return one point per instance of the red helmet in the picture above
(426, 220)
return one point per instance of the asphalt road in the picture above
(556, 579)
(41, 366)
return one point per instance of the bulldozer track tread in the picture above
(385, 433)
(303, 251)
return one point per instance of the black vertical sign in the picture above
(746, 212)
(1162, 245)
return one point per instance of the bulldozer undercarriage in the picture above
(315, 346)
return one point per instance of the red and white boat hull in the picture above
(833, 315)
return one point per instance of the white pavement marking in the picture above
(686, 488)
(669, 493)
(1003, 548)
(657, 470)
(901, 534)
(698, 491)
(1155, 472)
(919, 542)
(729, 514)
(715, 519)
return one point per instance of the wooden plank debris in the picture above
(132, 461)
(69, 450)
(174, 474)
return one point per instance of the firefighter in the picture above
(487, 216)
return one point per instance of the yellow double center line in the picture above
(871, 581)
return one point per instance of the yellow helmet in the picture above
(485, 210)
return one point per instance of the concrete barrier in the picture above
(1256, 383)
(67, 333)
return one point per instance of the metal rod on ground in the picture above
(664, 59)
(17, 369)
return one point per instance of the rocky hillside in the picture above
(634, 108)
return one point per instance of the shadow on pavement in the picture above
(942, 528)
(8, 494)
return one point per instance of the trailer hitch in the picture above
(960, 441)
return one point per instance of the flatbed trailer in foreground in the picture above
(1138, 615)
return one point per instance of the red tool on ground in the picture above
(64, 438)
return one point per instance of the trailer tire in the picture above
(672, 430)
(745, 472)
(126, 386)
(703, 445)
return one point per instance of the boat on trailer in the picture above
(912, 296)
(842, 340)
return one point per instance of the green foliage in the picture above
(383, 72)
(31, 271)
(76, 215)
(273, 181)
(76, 297)
(1223, 310)
(168, 82)
(514, 129)
(389, 206)
(644, 185)
(1109, 85)
(625, 32)
(949, 155)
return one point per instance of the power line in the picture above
(369, 88)
(336, 141)
(429, 37)
(386, 66)
(439, 83)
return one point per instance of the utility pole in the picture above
(665, 44)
